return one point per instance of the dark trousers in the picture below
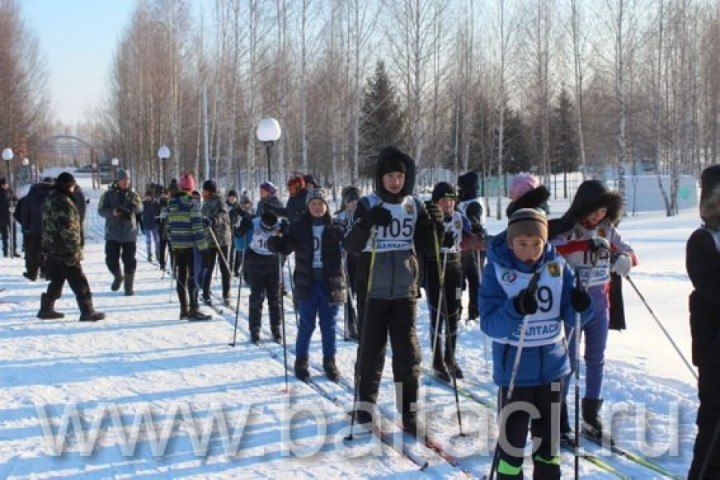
(210, 257)
(114, 251)
(472, 264)
(264, 279)
(185, 284)
(58, 272)
(5, 232)
(162, 248)
(708, 417)
(546, 459)
(450, 310)
(397, 318)
(33, 254)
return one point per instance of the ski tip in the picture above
(424, 466)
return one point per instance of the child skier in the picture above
(186, 232)
(449, 271)
(319, 279)
(261, 271)
(390, 225)
(528, 288)
(703, 267)
(583, 236)
(473, 242)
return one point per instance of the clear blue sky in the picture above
(77, 38)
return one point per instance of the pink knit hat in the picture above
(187, 182)
(523, 183)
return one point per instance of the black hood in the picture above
(391, 154)
(468, 186)
(710, 196)
(590, 195)
(535, 198)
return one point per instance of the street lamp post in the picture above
(7, 155)
(163, 154)
(268, 131)
(26, 165)
(115, 162)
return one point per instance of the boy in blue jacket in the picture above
(528, 286)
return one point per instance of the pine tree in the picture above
(517, 156)
(382, 117)
(564, 149)
(563, 138)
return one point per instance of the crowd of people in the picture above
(536, 287)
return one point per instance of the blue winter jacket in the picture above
(499, 319)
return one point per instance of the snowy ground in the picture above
(141, 359)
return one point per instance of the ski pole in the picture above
(532, 286)
(363, 328)
(478, 263)
(576, 334)
(441, 282)
(292, 291)
(237, 305)
(659, 323)
(282, 320)
(346, 310)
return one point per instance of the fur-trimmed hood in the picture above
(535, 198)
(590, 195)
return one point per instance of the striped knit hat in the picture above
(315, 193)
(527, 221)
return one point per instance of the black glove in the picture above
(269, 219)
(208, 221)
(435, 213)
(284, 224)
(596, 244)
(337, 233)
(273, 244)
(580, 299)
(448, 240)
(379, 216)
(526, 303)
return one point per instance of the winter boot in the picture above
(149, 257)
(195, 315)
(409, 421)
(276, 335)
(117, 281)
(206, 299)
(182, 298)
(87, 312)
(450, 363)
(592, 425)
(29, 276)
(47, 308)
(439, 366)
(362, 417)
(255, 336)
(301, 369)
(129, 279)
(331, 370)
(566, 436)
(226, 302)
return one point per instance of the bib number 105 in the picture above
(396, 229)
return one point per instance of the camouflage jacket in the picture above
(216, 210)
(61, 228)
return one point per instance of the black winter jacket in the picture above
(299, 238)
(702, 261)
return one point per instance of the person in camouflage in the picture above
(62, 247)
(216, 218)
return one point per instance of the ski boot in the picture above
(301, 369)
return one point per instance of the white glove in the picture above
(622, 265)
